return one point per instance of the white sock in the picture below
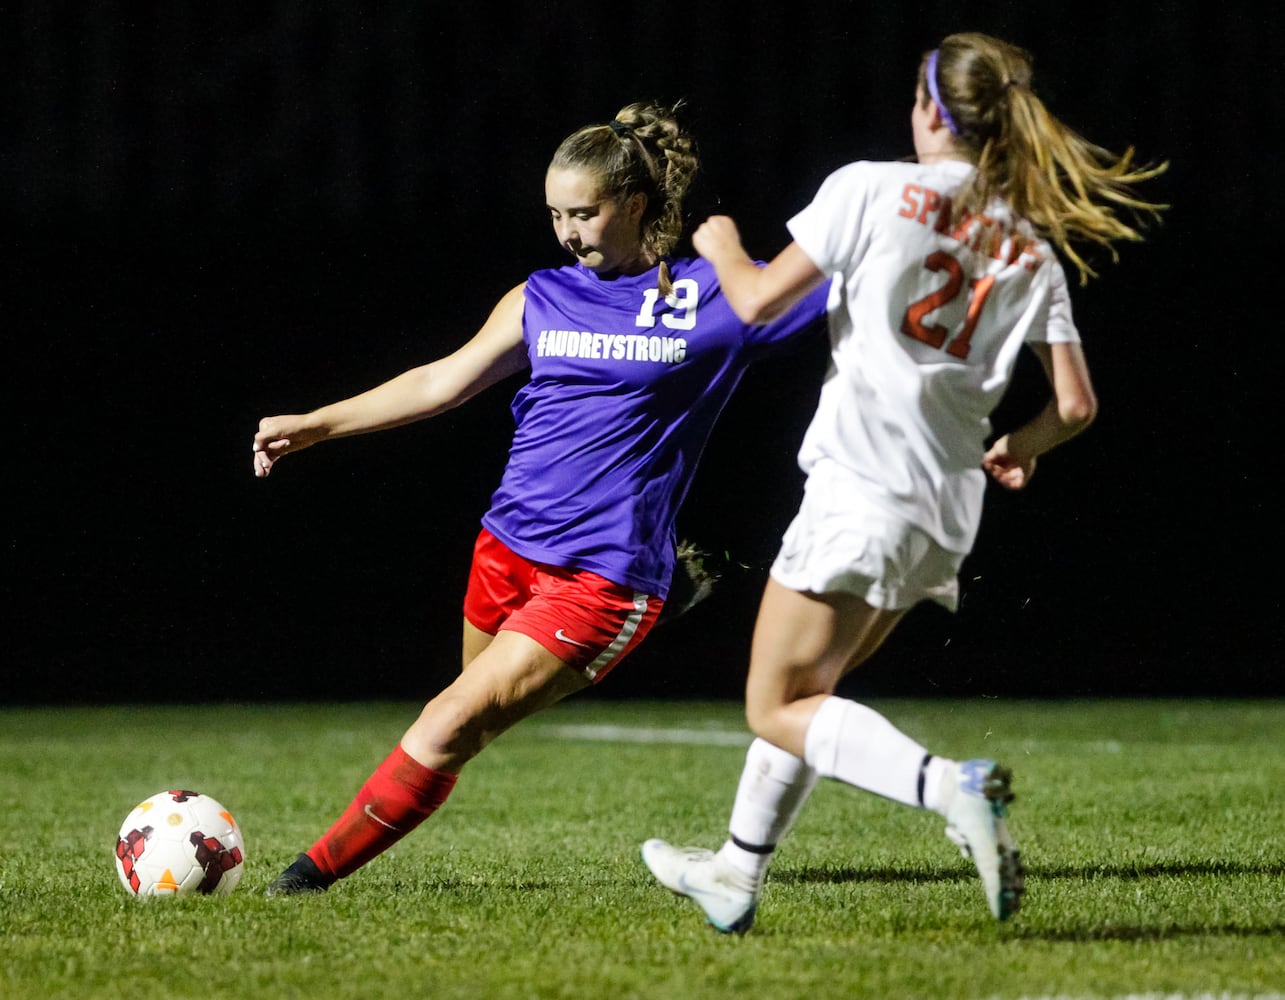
(938, 791)
(773, 787)
(857, 745)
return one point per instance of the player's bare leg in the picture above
(474, 642)
(838, 738)
(505, 679)
(803, 645)
(511, 678)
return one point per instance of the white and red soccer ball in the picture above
(179, 842)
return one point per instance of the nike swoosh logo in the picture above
(561, 636)
(382, 822)
(694, 891)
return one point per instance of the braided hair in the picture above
(643, 149)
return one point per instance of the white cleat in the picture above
(707, 880)
(975, 820)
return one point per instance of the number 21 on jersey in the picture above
(915, 323)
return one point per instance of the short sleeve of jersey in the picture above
(829, 228)
(1059, 327)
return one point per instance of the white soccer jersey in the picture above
(925, 337)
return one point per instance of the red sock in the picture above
(400, 795)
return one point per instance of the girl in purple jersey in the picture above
(945, 267)
(632, 355)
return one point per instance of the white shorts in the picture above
(840, 541)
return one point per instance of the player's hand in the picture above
(717, 238)
(279, 436)
(1011, 471)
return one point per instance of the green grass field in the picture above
(1153, 834)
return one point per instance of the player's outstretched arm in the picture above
(494, 353)
(756, 294)
(1073, 406)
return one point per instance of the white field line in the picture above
(647, 734)
(607, 733)
(729, 738)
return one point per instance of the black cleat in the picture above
(302, 878)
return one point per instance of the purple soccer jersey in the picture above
(625, 388)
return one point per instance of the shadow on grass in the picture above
(1167, 869)
(1162, 932)
(1160, 869)
(1122, 931)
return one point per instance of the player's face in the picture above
(921, 120)
(933, 141)
(600, 231)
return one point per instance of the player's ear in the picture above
(636, 206)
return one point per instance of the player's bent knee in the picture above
(766, 719)
(448, 733)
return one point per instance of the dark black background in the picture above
(211, 216)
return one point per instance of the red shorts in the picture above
(583, 619)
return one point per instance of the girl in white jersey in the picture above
(946, 267)
(632, 355)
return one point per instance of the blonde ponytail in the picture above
(1072, 191)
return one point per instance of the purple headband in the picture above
(930, 77)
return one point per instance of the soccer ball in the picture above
(179, 842)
